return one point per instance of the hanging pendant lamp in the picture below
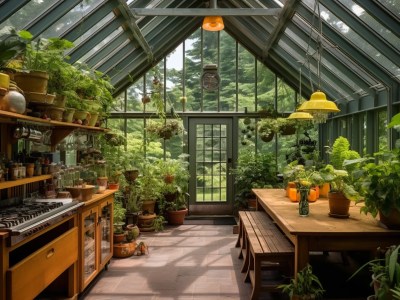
(298, 115)
(213, 23)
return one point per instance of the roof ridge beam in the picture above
(206, 11)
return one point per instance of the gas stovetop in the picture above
(25, 219)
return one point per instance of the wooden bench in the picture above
(263, 244)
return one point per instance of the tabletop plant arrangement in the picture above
(339, 175)
(305, 286)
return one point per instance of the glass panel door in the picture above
(210, 149)
(105, 232)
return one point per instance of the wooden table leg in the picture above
(301, 251)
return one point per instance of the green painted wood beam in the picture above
(184, 12)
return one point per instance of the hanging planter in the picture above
(267, 138)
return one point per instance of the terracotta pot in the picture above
(113, 186)
(338, 205)
(52, 112)
(93, 119)
(145, 222)
(34, 81)
(176, 217)
(102, 183)
(68, 115)
(391, 221)
(59, 101)
(148, 205)
(123, 250)
(81, 115)
(118, 237)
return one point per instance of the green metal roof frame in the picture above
(145, 40)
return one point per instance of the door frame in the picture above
(210, 208)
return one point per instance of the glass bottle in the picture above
(303, 203)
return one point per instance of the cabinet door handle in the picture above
(50, 253)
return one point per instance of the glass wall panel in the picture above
(210, 56)
(246, 79)
(382, 130)
(193, 70)
(119, 103)
(227, 72)
(134, 96)
(265, 87)
(174, 85)
(156, 74)
(286, 97)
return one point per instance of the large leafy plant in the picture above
(380, 183)
(253, 171)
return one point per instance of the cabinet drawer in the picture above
(33, 274)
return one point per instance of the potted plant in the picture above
(12, 44)
(341, 191)
(165, 128)
(253, 170)
(381, 189)
(305, 286)
(176, 210)
(118, 222)
(385, 273)
(286, 126)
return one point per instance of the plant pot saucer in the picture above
(339, 216)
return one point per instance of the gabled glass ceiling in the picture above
(360, 38)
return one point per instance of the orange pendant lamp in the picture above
(213, 23)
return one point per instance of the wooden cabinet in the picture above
(95, 236)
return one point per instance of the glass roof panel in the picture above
(359, 12)
(343, 29)
(72, 17)
(305, 69)
(28, 13)
(100, 45)
(84, 36)
(392, 6)
(327, 64)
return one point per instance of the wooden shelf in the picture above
(12, 117)
(13, 183)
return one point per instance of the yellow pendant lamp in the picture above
(298, 115)
(213, 23)
(319, 103)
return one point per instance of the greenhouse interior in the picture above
(200, 149)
